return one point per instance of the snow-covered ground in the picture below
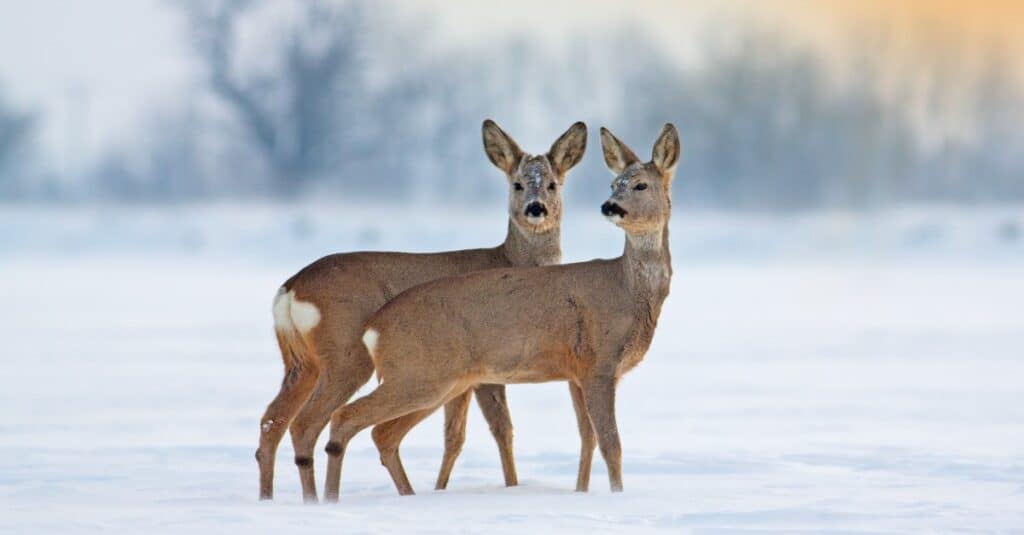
(814, 373)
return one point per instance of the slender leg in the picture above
(493, 404)
(390, 400)
(454, 435)
(388, 437)
(599, 394)
(298, 383)
(588, 441)
(343, 374)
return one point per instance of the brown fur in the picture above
(588, 323)
(347, 288)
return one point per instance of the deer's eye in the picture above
(517, 186)
(640, 187)
(551, 186)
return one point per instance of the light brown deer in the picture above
(588, 323)
(319, 313)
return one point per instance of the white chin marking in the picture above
(293, 314)
(614, 218)
(535, 220)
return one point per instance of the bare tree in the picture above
(997, 153)
(164, 163)
(293, 113)
(16, 128)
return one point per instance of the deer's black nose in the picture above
(609, 209)
(536, 209)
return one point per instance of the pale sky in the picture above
(95, 69)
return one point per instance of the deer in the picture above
(320, 311)
(586, 323)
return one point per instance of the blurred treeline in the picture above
(345, 102)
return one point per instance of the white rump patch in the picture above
(370, 341)
(282, 308)
(370, 338)
(293, 314)
(305, 315)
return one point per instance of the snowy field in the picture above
(854, 374)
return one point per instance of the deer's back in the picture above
(506, 325)
(365, 281)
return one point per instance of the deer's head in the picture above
(535, 182)
(641, 191)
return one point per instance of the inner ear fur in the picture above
(568, 149)
(617, 155)
(501, 149)
(665, 154)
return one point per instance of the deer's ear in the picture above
(617, 156)
(501, 149)
(665, 155)
(567, 151)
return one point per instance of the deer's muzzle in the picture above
(535, 209)
(609, 209)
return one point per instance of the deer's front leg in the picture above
(599, 395)
(588, 441)
(494, 405)
(455, 412)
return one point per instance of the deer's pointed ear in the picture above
(501, 149)
(567, 150)
(617, 156)
(666, 149)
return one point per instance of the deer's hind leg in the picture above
(344, 371)
(392, 399)
(302, 370)
(494, 406)
(388, 437)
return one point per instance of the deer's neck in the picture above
(524, 248)
(647, 262)
(647, 267)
